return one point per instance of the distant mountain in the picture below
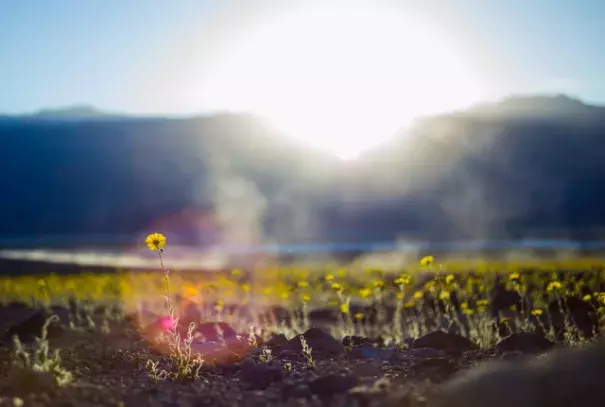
(70, 113)
(535, 107)
(517, 168)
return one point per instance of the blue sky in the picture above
(142, 55)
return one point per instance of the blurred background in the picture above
(253, 131)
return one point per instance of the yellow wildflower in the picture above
(586, 298)
(303, 284)
(536, 312)
(337, 287)
(444, 295)
(553, 286)
(344, 308)
(427, 261)
(482, 302)
(418, 295)
(306, 298)
(359, 316)
(330, 277)
(155, 241)
(365, 292)
(246, 287)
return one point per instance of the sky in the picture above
(163, 57)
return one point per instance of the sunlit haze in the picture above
(344, 79)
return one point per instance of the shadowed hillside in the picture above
(514, 169)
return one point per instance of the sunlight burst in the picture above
(344, 80)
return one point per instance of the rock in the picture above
(443, 341)
(248, 363)
(277, 341)
(436, 370)
(21, 381)
(561, 378)
(423, 353)
(526, 342)
(296, 391)
(31, 327)
(371, 352)
(357, 341)
(291, 355)
(318, 340)
(329, 385)
(261, 376)
(367, 369)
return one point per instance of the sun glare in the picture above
(344, 80)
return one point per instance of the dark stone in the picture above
(437, 369)
(330, 385)
(526, 342)
(367, 369)
(277, 341)
(261, 376)
(371, 352)
(31, 327)
(357, 341)
(318, 340)
(296, 391)
(443, 341)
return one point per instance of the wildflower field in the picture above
(284, 335)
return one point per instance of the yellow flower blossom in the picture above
(359, 316)
(344, 308)
(418, 295)
(155, 241)
(427, 261)
(536, 312)
(553, 286)
(365, 292)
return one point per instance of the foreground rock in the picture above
(330, 385)
(443, 341)
(30, 326)
(525, 342)
(260, 376)
(319, 341)
(567, 377)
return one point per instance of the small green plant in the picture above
(37, 369)
(184, 364)
(307, 352)
(265, 355)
